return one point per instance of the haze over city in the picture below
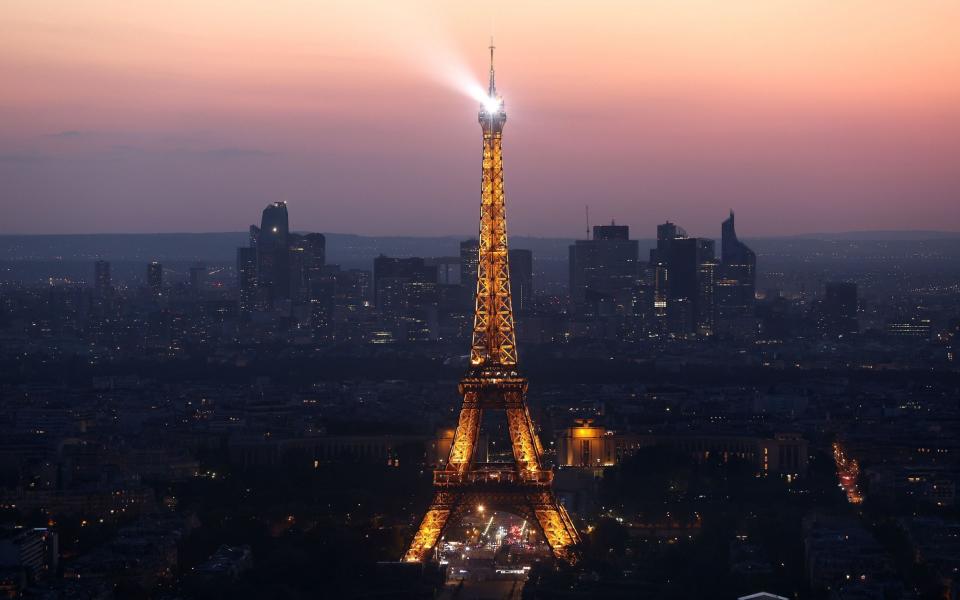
(183, 116)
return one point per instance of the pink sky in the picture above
(802, 115)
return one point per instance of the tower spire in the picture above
(493, 87)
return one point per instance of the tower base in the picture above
(537, 506)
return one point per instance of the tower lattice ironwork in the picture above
(493, 382)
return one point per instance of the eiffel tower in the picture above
(492, 382)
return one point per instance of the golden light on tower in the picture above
(493, 383)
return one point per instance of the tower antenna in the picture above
(493, 87)
(587, 210)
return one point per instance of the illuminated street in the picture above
(848, 472)
(490, 551)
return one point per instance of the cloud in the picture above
(66, 134)
(234, 152)
(22, 159)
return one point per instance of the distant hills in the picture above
(352, 250)
(881, 235)
(347, 249)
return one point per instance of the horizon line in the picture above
(941, 232)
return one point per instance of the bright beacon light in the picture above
(491, 105)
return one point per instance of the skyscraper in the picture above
(198, 279)
(246, 280)
(737, 276)
(405, 290)
(102, 282)
(307, 257)
(314, 261)
(155, 278)
(273, 253)
(469, 252)
(605, 269)
(521, 278)
(685, 271)
(839, 311)
(400, 283)
(659, 263)
(281, 270)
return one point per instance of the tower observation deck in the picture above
(493, 382)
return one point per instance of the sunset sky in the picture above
(802, 115)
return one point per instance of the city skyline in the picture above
(449, 407)
(806, 119)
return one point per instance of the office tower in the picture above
(314, 261)
(448, 269)
(353, 287)
(322, 284)
(737, 276)
(493, 383)
(307, 257)
(296, 248)
(198, 279)
(247, 279)
(403, 283)
(288, 274)
(666, 233)
(273, 253)
(469, 252)
(685, 273)
(155, 278)
(102, 282)
(839, 313)
(663, 309)
(611, 232)
(689, 305)
(706, 305)
(605, 270)
(521, 278)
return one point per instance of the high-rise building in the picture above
(155, 278)
(521, 278)
(469, 254)
(737, 276)
(315, 259)
(659, 262)
(273, 253)
(405, 290)
(35, 550)
(307, 257)
(247, 279)
(198, 279)
(685, 273)
(288, 267)
(605, 270)
(402, 283)
(102, 282)
(839, 311)
(448, 269)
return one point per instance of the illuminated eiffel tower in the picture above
(523, 487)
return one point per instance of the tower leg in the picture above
(526, 444)
(558, 528)
(465, 437)
(431, 527)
